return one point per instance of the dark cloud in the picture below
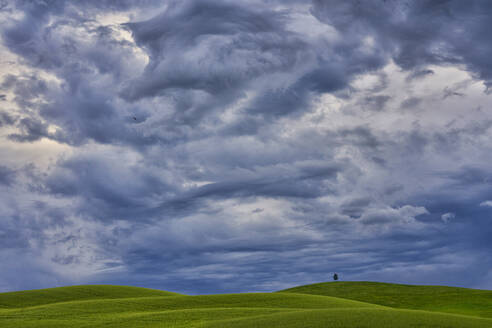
(420, 33)
(375, 103)
(411, 102)
(450, 93)
(190, 49)
(6, 119)
(222, 146)
(355, 207)
(419, 74)
(7, 175)
(467, 176)
(304, 184)
(108, 192)
(31, 130)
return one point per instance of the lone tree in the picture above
(335, 277)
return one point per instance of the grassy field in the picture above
(456, 300)
(75, 293)
(321, 305)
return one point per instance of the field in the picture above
(339, 304)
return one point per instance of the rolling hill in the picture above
(120, 306)
(74, 293)
(456, 300)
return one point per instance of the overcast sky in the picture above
(229, 146)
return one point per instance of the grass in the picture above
(360, 318)
(74, 293)
(430, 298)
(305, 306)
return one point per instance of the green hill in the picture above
(74, 293)
(125, 307)
(430, 298)
(358, 318)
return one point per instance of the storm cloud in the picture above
(226, 146)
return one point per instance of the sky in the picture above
(215, 146)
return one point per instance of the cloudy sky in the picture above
(214, 146)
